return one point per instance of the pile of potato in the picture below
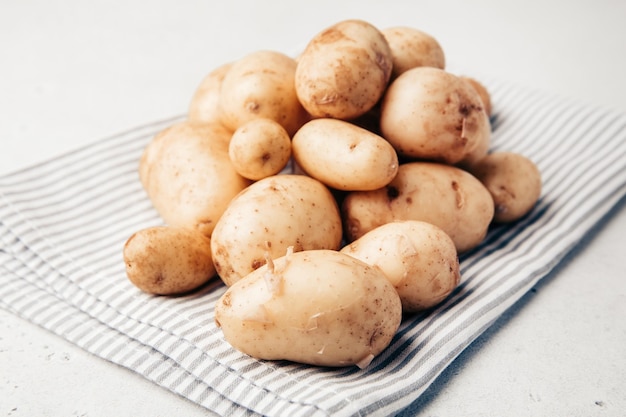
(331, 192)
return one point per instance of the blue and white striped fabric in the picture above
(63, 224)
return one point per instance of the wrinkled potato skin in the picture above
(419, 259)
(188, 176)
(443, 195)
(344, 156)
(482, 91)
(261, 85)
(514, 182)
(268, 217)
(430, 114)
(203, 107)
(318, 307)
(412, 48)
(167, 260)
(344, 70)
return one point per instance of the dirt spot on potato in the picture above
(330, 35)
(392, 193)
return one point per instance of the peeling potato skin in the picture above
(440, 194)
(168, 260)
(325, 308)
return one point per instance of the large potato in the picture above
(268, 217)
(344, 70)
(188, 176)
(418, 258)
(344, 156)
(168, 260)
(319, 307)
(443, 195)
(412, 48)
(428, 113)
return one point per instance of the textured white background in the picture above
(74, 71)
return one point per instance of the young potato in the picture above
(261, 85)
(188, 175)
(344, 70)
(203, 107)
(268, 217)
(319, 307)
(344, 156)
(412, 48)
(482, 91)
(167, 260)
(418, 258)
(514, 182)
(440, 194)
(430, 114)
(259, 148)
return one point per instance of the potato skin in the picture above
(418, 258)
(344, 70)
(514, 182)
(482, 91)
(440, 194)
(412, 48)
(318, 307)
(204, 105)
(344, 156)
(167, 260)
(269, 216)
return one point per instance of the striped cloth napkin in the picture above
(63, 224)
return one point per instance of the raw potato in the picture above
(514, 182)
(168, 260)
(440, 194)
(482, 92)
(418, 258)
(431, 114)
(259, 148)
(261, 85)
(318, 307)
(412, 48)
(188, 176)
(268, 217)
(204, 103)
(344, 156)
(344, 70)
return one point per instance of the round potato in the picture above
(167, 260)
(259, 148)
(430, 114)
(203, 107)
(261, 85)
(514, 182)
(269, 216)
(344, 70)
(443, 195)
(318, 307)
(344, 156)
(412, 48)
(418, 258)
(482, 91)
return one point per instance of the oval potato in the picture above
(204, 105)
(412, 48)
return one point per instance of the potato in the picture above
(268, 217)
(203, 107)
(418, 258)
(168, 260)
(343, 70)
(188, 175)
(482, 91)
(344, 156)
(318, 307)
(430, 114)
(440, 194)
(259, 148)
(261, 85)
(514, 182)
(412, 48)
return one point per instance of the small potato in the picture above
(319, 307)
(419, 259)
(203, 107)
(514, 182)
(259, 148)
(412, 48)
(168, 260)
(482, 91)
(443, 195)
(344, 70)
(261, 85)
(344, 156)
(269, 216)
(430, 114)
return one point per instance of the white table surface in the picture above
(75, 71)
